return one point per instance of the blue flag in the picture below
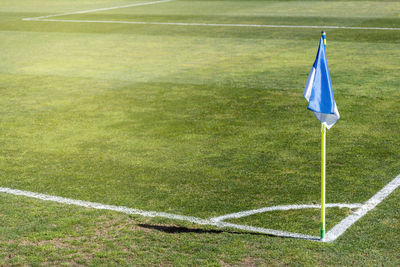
(318, 90)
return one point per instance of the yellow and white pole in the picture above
(323, 168)
(323, 164)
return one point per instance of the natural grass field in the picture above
(198, 121)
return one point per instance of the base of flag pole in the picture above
(322, 233)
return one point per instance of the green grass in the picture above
(199, 121)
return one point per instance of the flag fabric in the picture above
(318, 90)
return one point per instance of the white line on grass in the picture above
(331, 235)
(341, 227)
(283, 207)
(211, 24)
(100, 206)
(98, 9)
(127, 210)
(46, 18)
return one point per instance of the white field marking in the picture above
(100, 206)
(330, 236)
(97, 9)
(283, 207)
(341, 227)
(209, 24)
(267, 231)
(45, 18)
(127, 210)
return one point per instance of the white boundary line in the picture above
(144, 213)
(97, 9)
(216, 24)
(370, 204)
(331, 235)
(46, 18)
(94, 205)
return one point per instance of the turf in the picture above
(199, 121)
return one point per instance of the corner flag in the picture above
(319, 95)
(318, 90)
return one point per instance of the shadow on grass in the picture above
(180, 229)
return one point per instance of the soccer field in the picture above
(195, 109)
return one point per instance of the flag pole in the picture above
(323, 168)
(318, 92)
(323, 161)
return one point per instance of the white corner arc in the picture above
(246, 213)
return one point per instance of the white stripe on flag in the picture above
(328, 119)
(309, 85)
